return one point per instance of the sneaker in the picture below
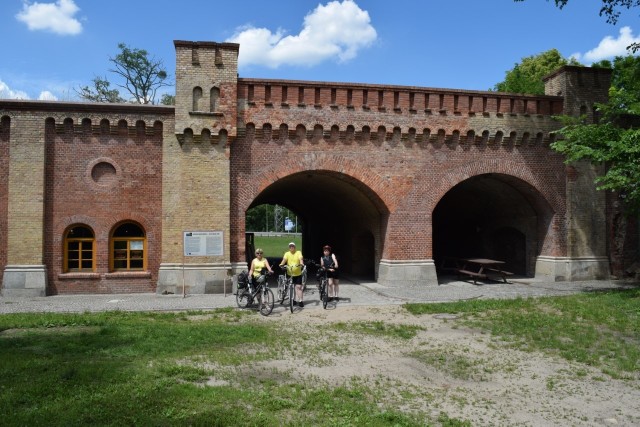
(336, 299)
(300, 304)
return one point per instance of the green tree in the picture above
(609, 9)
(526, 77)
(167, 99)
(143, 75)
(257, 218)
(99, 92)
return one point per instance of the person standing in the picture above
(329, 262)
(294, 261)
(258, 264)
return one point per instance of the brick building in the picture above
(97, 198)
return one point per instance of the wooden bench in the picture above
(501, 273)
(475, 276)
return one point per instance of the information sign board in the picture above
(203, 243)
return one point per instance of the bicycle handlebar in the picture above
(325, 268)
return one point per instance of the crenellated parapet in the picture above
(104, 126)
(312, 111)
(394, 136)
(75, 118)
(284, 94)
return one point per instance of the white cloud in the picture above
(45, 95)
(55, 17)
(336, 30)
(609, 47)
(8, 93)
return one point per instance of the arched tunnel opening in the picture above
(335, 210)
(491, 216)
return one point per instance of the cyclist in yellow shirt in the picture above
(257, 264)
(293, 259)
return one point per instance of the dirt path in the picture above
(449, 368)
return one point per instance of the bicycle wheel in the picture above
(324, 295)
(282, 289)
(243, 298)
(266, 302)
(291, 295)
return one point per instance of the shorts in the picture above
(333, 274)
(297, 280)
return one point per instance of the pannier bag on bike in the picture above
(243, 279)
(263, 275)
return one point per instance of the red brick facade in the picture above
(102, 167)
(403, 148)
(77, 192)
(395, 178)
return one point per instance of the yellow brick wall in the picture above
(25, 217)
(196, 188)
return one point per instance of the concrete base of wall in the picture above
(24, 281)
(409, 272)
(572, 269)
(211, 278)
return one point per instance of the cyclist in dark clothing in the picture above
(329, 262)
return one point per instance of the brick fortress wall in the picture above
(407, 145)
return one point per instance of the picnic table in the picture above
(482, 268)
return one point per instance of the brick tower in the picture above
(582, 88)
(195, 188)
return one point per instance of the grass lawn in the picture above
(275, 247)
(118, 368)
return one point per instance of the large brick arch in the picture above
(544, 191)
(547, 187)
(367, 180)
(335, 170)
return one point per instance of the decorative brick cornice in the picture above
(93, 107)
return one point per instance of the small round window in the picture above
(104, 173)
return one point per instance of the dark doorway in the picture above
(335, 210)
(510, 245)
(491, 216)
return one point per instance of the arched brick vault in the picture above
(402, 153)
(402, 201)
(372, 184)
(544, 192)
(340, 169)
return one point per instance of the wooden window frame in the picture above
(127, 254)
(83, 242)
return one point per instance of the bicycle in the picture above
(286, 288)
(246, 296)
(283, 288)
(323, 283)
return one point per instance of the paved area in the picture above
(351, 293)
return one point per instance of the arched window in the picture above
(197, 98)
(79, 249)
(128, 248)
(214, 97)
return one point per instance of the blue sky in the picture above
(51, 47)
